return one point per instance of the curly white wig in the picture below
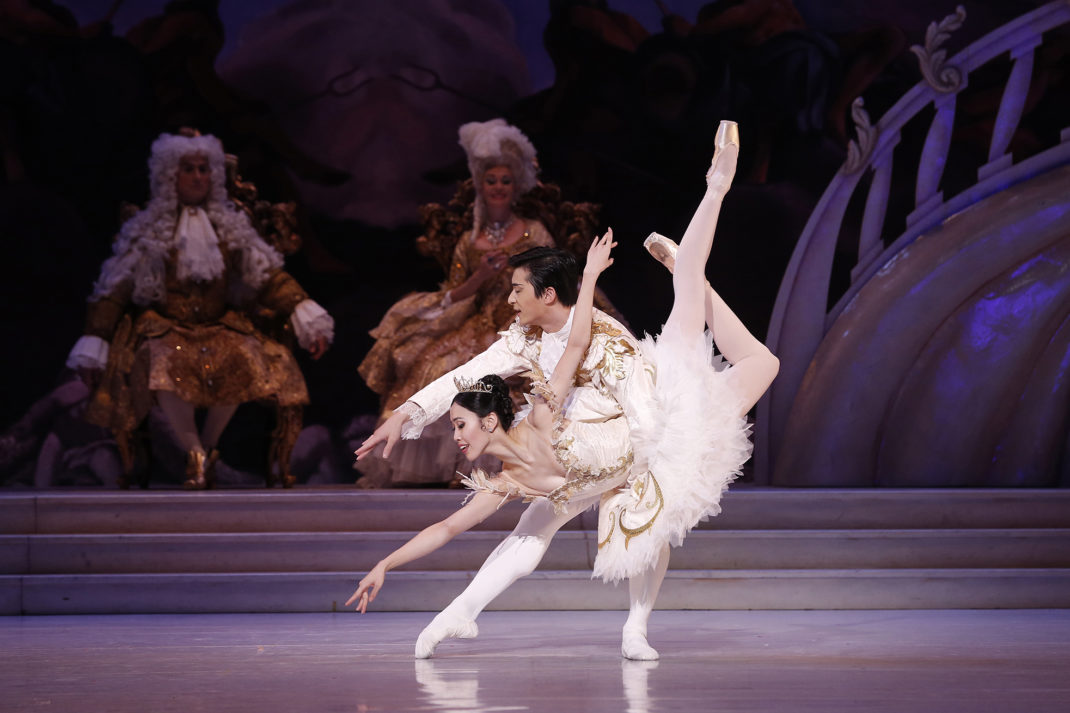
(496, 143)
(144, 242)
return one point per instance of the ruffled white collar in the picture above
(198, 254)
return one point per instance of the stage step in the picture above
(304, 550)
(346, 509)
(722, 550)
(565, 590)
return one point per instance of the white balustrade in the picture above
(800, 317)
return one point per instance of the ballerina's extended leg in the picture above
(687, 317)
(753, 365)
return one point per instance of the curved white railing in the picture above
(800, 316)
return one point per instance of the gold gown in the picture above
(418, 340)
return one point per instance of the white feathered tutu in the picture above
(697, 449)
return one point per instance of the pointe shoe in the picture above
(662, 249)
(196, 471)
(634, 646)
(723, 164)
(444, 626)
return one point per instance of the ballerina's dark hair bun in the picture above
(488, 395)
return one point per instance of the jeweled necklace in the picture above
(496, 231)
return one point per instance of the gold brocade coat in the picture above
(196, 343)
(418, 340)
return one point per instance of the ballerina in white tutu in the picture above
(687, 460)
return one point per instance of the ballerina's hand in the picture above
(367, 589)
(598, 258)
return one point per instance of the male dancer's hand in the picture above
(390, 432)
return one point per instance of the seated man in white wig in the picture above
(169, 319)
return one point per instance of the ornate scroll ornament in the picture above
(942, 77)
(657, 505)
(860, 149)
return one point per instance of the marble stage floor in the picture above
(717, 661)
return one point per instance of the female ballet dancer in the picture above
(699, 448)
(482, 418)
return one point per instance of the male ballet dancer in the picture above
(544, 292)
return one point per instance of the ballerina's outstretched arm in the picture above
(425, 542)
(579, 336)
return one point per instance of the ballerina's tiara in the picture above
(464, 384)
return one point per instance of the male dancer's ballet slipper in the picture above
(662, 249)
(726, 151)
(446, 625)
(634, 646)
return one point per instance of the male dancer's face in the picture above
(530, 308)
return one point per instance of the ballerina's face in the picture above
(498, 187)
(468, 432)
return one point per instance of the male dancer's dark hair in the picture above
(551, 267)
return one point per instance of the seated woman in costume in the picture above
(426, 334)
(171, 318)
(703, 436)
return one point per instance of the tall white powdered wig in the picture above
(496, 143)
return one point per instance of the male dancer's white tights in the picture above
(518, 556)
